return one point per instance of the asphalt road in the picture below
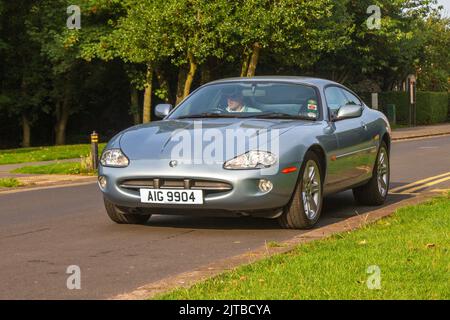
(42, 232)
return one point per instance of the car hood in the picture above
(162, 139)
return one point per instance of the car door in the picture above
(370, 142)
(349, 164)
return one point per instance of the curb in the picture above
(59, 184)
(421, 136)
(188, 279)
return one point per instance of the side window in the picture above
(351, 98)
(335, 99)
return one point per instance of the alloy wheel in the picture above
(311, 190)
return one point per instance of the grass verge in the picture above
(56, 168)
(45, 153)
(9, 183)
(411, 249)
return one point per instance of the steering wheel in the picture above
(218, 109)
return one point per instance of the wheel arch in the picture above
(387, 140)
(320, 152)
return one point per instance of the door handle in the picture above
(364, 125)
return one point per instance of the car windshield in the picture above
(251, 99)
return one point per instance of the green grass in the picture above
(9, 183)
(45, 153)
(411, 248)
(55, 168)
(274, 244)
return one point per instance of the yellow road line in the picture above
(429, 184)
(402, 193)
(441, 190)
(413, 184)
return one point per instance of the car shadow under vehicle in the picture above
(336, 208)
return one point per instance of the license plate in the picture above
(171, 196)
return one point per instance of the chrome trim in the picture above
(354, 152)
(192, 184)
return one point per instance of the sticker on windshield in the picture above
(312, 105)
(312, 108)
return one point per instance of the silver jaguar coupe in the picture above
(268, 147)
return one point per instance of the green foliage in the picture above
(45, 153)
(386, 55)
(51, 71)
(23, 84)
(434, 65)
(56, 168)
(9, 183)
(432, 107)
(401, 102)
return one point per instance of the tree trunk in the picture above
(134, 108)
(147, 108)
(343, 76)
(190, 76)
(26, 131)
(245, 61)
(182, 74)
(26, 124)
(164, 85)
(62, 116)
(254, 59)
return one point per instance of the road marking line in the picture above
(441, 190)
(429, 184)
(413, 184)
(403, 193)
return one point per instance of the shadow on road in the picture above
(336, 208)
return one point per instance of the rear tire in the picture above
(125, 215)
(375, 191)
(305, 207)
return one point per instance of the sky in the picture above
(446, 4)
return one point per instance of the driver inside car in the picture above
(235, 103)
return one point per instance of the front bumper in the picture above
(244, 197)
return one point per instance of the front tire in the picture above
(374, 192)
(125, 215)
(305, 207)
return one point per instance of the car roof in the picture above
(318, 82)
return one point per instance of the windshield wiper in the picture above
(267, 115)
(281, 115)
(208, 115)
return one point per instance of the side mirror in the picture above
(349, 111)
(162, 110)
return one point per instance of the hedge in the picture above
(432, 107)
(448, 114)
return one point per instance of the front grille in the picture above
(161, 183)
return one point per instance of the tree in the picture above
(433, 67)
(133, 33)
(24, 84)
(47, 27)
(196, 34)
(385, 55)
(100, 39)
(295, 32)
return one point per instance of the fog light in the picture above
(102, 182)
(265, 185)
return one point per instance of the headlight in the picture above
(251, 160)
(114, 158)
